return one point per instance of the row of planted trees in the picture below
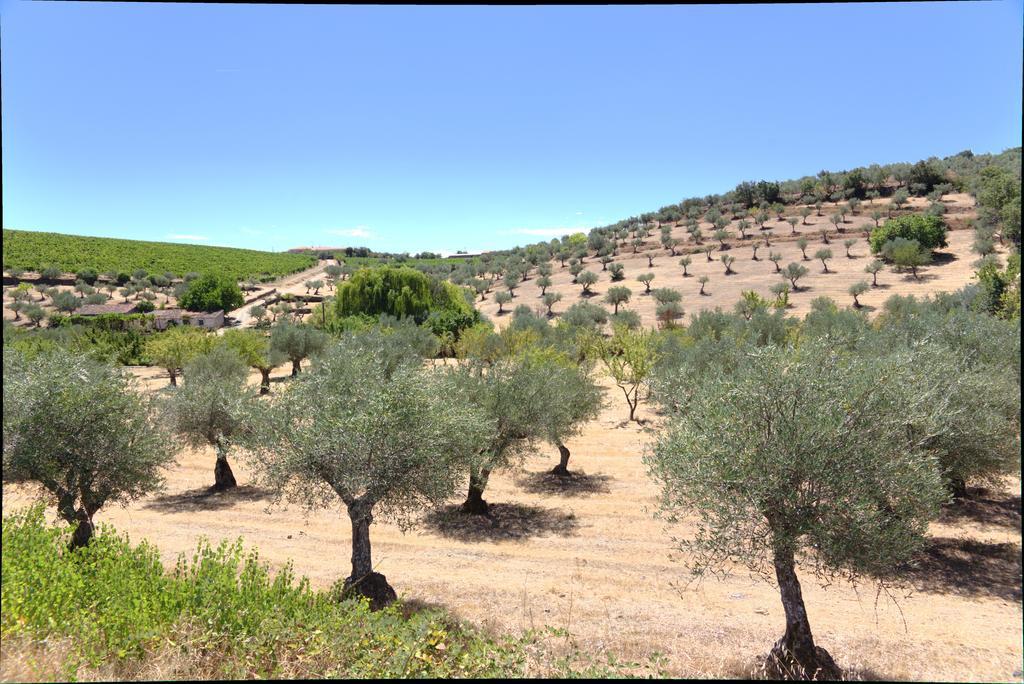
(826, 444)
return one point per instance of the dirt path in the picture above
(592, 559)
(290, 284)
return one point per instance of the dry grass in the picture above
(595, 562)
(952, 268)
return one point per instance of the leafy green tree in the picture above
(848, 243)
(585, 315)
(66, 302)
(646, 279)
(802, 243)
(906, 254)
(550, 299)
(685, 263)
(389, 439)
(616, 270)
(82, 432)
(727, 260)
(212, 292)
(35, 313)
(929, 231)
(804, 213)
(708, 249)
(543, 282)
(856, 290)
(175, 347)
(521, 396)
(256, 351)
(296, 342)
(998, 197)
(629, 357)
(873, 268)
(721, 235)
(502, 298)
(587, 280)
(823, 255)
(801, 450)
(775, 258)
(212, 407)
(781, 292)
(794, 272)
(749, 304)
(703, 280)
(617, 295)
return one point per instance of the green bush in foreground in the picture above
(222, 615)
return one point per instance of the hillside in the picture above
(32, 251)
(953, 268)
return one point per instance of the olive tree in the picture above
(685, 263)
(802, 243)
(856, 290)
(502, 298)
(212, 407)
(388, 439)
(587, 280)
(646, 279)
(82, 432)
(175, 347)
(703, 280)
(550, 299)
(873, 268)
(802, 451)
(297, 342)
(823, 255)
(793, 272)
(520, 393)
(256, 351)
(617, 295)
(629, 357)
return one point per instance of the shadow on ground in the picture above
(206, 499)
(984, 507)
(968, 567)
(573, 483)
(506, 522)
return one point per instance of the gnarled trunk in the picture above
(174, 378)
(223, 478)
(296, 366)
(795, 656)
(265, 381)
(364, 581)
(475, 503)
(84, 532)
(563, 464)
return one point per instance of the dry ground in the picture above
(952, 268)
(591, 558)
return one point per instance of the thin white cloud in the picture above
(357, 232)
(194, 238)
(579, 213)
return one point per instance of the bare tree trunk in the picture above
(84, 532)
(475, 503)
(296, 367)
(794, 655)
(174, 378)
(563, 465)
(223, 478)
(265, 382)
(364, 581)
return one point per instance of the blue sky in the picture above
(444, 128)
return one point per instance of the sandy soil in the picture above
(951, 269)
(591, 558)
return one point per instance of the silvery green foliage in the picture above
(804, 448)
(365, 425)
(79, 429)
(213, 404)
(536, 394)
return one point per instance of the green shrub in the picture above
(223, 613)
(212, 292)
(929, 231)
